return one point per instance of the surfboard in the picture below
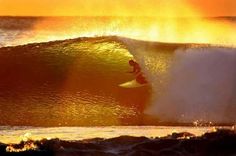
(132, 84)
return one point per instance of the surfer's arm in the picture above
(133, 71)
(136, 69)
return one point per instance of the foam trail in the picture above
(190, 84)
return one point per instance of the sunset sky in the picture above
(118, 7)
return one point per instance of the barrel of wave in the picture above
(101, 65)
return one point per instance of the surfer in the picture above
(136, 67)
(137, 71)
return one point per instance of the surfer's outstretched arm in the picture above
(133, 71)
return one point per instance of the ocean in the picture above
(60, 77)
(16, 134)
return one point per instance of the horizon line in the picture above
(223, 16)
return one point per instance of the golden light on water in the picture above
(80, 133)
(161, 27)
(173, 30)
(177, 21)
(29, 146)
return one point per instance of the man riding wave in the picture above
(137, 71)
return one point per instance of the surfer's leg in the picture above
(141, 79)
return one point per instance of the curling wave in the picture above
(191, 82)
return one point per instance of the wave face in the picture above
(69, 83)
(190, 82)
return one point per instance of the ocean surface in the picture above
(64, 73)
(17, 134)
(23, 30)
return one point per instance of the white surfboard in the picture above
(132, 84)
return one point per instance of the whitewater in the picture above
(190, 82)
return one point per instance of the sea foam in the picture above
(189, 82)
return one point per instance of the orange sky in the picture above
(171, 8)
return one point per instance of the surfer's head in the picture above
(132, 62)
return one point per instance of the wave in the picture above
(190, 82)
(71, 82)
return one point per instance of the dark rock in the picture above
(157, 145)
(180, 135)
(2, 148)
(169, 152)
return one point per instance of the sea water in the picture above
(65, 84)
(19, 133)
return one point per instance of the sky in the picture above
(170, 8)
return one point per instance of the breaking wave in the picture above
(72, 83)
(190, 82)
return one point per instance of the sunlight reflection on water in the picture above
(15, 134)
